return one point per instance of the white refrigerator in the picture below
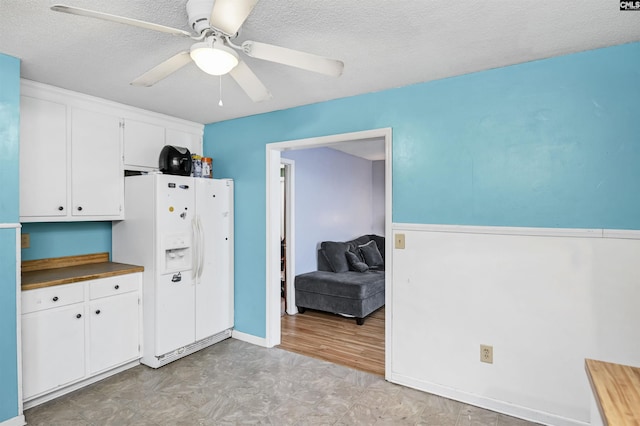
(181, 230)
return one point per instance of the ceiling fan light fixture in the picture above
(214, 60)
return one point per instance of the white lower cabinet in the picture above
(113, 329)
(74, 333)
(52, 348)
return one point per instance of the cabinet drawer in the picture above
(51, 297)
(104, 287)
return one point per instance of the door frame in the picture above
(273, 159)
(290, 232)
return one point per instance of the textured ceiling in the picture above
(383, 43)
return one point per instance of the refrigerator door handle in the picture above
(201, 248)
(199, 229)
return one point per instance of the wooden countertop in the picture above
(65, 270)
(617, 391)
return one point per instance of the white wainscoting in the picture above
(545, 299)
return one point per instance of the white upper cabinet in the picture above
(97, 179)
(70, 163)
(43, 158)
(74, 150)
(190, 140)
(143, 141)
(142, 144)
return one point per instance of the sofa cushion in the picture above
(371, 254)
(379, 242)
(353, 244)
(334, 253)
(355, 263)
(350, 284)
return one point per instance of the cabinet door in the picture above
(114, 331)
(43, 158)
(191, 141)
(142, 144)
(97, 181)
(53, 351)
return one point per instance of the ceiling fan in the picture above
(215, 23)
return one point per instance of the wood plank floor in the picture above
(337, 339)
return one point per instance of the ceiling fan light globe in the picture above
(216, 60)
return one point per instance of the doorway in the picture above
(274, 249)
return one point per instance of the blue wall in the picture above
(9, 151)
(551, 143)
(66, 239)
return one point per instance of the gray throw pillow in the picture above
(355, 264)
(334, 252)
(371, 254)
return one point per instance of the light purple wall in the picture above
(377, 180)
(333, 200)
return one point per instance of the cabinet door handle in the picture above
(79, 316)
(98, 312)
(55, 298)
(60, 208)
(79, 208)
(116, 286)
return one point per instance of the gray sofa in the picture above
(349, 280)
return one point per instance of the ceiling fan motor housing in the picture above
(199, 12)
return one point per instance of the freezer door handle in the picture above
(201, 248)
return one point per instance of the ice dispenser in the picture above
(177, 252)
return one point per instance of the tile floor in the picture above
(234, 382)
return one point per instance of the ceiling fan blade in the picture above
(293, 58)
(229, 15)
(163, 70)
(250, 83)
(120, 19)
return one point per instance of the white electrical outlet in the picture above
(486, 354)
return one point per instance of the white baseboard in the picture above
(15, 421)
(249, 338)
(487, 403)
(41, 399)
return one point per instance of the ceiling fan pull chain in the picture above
(220, 103)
